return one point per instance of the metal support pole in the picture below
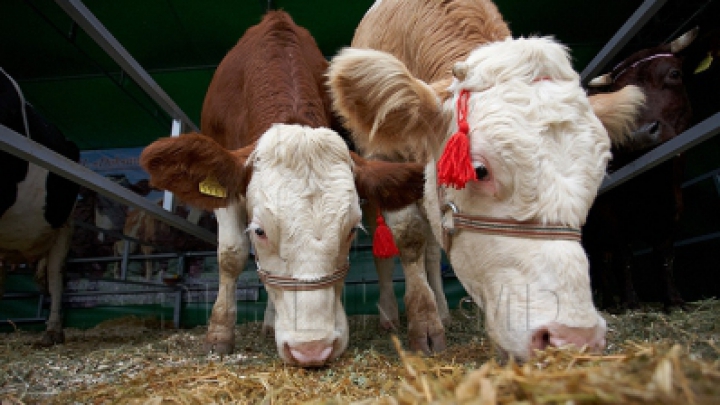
(181, 265)
(168, 198)
(177, 309)
(125, 259)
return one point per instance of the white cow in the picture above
(538, 148)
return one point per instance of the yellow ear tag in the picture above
(705, 64)
(210, 186)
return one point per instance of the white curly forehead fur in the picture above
(302, 177)
(531, 121)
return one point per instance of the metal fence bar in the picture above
(631, 27)
(97, 31)
(694, 136)
(33, 152)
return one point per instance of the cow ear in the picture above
(197, 169)
(387, 109)
(618, 112)
(390, 185)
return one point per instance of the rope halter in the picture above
(295, 284)
(501, 227)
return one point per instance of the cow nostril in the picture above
(541, 339)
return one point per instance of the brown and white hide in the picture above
(537, 145)
(283, 181)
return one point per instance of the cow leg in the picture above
(268, 327)
(630, 298)
(607, 284)
(425, 329)
(118, 248)
(387, 302)
(3, 274)
(672, 297)
(148, 250)
(433, 256)
(233, 249)
(55, 262)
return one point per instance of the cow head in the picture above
(301, 187)
(540, 153)
(658, 72)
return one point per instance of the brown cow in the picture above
(649, 207)
(272, 170)
(536, 146)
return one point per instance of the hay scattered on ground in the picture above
(653, 358)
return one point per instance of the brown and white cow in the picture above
(282, 180)
(647, 208)
(539, 148)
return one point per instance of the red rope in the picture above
(383, 242)
(455, 165)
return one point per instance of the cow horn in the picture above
(600, 81)
(459, 70)
(683, 41)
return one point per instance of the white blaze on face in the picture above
(303, 209)
(545, 152)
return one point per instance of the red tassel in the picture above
(455, 165)
(383, 242)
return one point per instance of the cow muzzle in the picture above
(558, 335)
(314, 353)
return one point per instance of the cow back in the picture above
(60, 192)
(273, 75)
(430, 37)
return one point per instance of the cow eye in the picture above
(675, 74)
(481, 172)
(260, 232)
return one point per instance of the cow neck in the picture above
(23, 110)
(295, 284)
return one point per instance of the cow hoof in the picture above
(632, 304)
(268, 331)
(51, 338)
(420, 344)
(220, 348)
(429, 343)
(219, 343)
(389, 324)
(675, 304)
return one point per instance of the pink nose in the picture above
(557, 335)
(310, 354)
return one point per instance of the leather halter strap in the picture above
(502, 227)
(296, 284)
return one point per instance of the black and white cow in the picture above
(35, 204)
